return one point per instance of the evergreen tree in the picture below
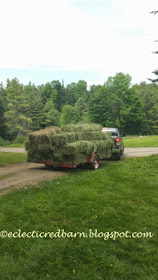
(54, 91)
(2, 111)
(35, 107)
(17, 114)
(155, 71)
(148, 94)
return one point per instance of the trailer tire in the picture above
(94, 165)
(118, 156)
(49, 167)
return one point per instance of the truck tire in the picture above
(122, 152)
(94, 165)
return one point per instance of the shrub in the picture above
(3, 142)
(20, 139)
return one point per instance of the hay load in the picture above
(81, 127)
(70, 144)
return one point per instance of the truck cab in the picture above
(118, 149)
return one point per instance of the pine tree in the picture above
(156, 70)
(2, 111)
(17, 115)
(35, 107)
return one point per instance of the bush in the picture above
(3, 142)
(20, 139)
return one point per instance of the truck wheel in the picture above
(95, 164)
(122, 152)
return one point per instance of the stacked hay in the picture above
(81, 127)
(71, 143)
(39, 146)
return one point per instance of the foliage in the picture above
(17, 116)
(20, 139)
(148, 94)
(26, 108)
(35, 107)
(52, 114)
(69, 115)
(54, 91)
(117, 105)
(75, 91)
(2, 111)
(155, 71)
(3, 142)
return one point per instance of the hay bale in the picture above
(85, 147)
(43, 136)
(63, 138)
(68, 144)
(81, 127)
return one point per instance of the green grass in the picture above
(120, 196)
(7, 158)
(147, 141)
(16, 145)
(18, 142)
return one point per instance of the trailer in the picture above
(93, 162)
(71, 146)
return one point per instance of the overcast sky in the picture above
(45, 40)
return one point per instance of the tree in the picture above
(35, 107)
(117, 105)
(54, 91)
(155, 71)
(67, 116)
(17, 114)
(148, 94)
(75, 91)
(81, 109)
(52, 114)
(100, 110)
(2, 111)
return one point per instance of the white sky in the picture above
(43, 40)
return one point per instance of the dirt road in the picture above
(24, 174)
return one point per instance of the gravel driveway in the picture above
(24, 174)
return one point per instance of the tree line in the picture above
(131, 108)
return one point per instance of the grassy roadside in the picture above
(120, 196)
(10, 158)
(147, 141)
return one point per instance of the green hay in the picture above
(63, 138)
(72, 143)
(43, 136)
(81, 127)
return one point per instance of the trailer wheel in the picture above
(118, 156)
(95, 164)
(49, 167)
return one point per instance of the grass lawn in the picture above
(10, 158)
(16, 145)
(147, 141)
(120, 196)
